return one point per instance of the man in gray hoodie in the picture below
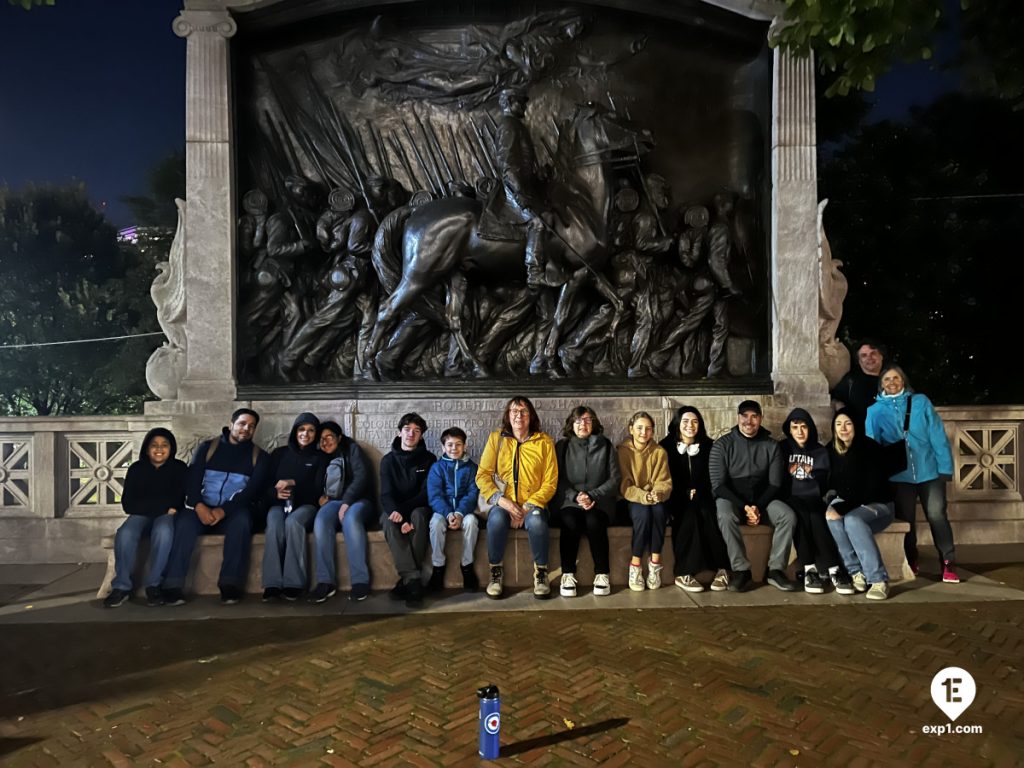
(747, 471)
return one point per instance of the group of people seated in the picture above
(828, 500)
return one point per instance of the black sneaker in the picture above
(414, 594)
(470, 581)
(359, 592)
(291, 594)
(740, 581)
(116, 598)
(813, 583)
(436, 583)
(154, 597)
(271, 593)
(842, 582)
(780, 580)
(230, 595)
(322, 593)
(173, 596)
(399, 591)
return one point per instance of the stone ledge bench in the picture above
(206, 559)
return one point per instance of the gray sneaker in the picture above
(541, 588)
(721, 581)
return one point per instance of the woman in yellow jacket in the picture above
(646, 486)
(517, 477)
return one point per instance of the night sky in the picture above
(94, 90)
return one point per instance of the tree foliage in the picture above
(64, 276)
(27, 4)
(855, 41)
(164, 182)
(928, 217)
(992, 48)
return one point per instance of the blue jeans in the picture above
(325, 527)
(126, 542)
(234, 568)
(439, 528)
(498, 525)
(286, 546)
(855, 536)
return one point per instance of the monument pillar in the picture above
(209, 224)
(795, 273)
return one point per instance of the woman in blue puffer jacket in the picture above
(929, 462)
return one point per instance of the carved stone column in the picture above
(795, 272)
(209, 228)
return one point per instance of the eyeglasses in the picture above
(519, 411)
(583, 420)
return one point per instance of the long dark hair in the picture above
(578, 413)
(702, 430)
(506, 423)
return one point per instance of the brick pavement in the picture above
(781, 685)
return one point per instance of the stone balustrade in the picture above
(60, 477)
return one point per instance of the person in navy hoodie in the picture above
(452, 492)
(154, 491)
(293, 498)
(226, 477)
(405, 509)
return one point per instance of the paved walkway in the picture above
(761, 679)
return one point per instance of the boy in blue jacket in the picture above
(452, 492)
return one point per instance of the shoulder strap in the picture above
(212, 449)
(906, 417)
(255, 454)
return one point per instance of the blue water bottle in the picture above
(490, 722)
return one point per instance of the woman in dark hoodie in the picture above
(293, 499)
(697, 542)
(859, 504)
(154, 491)
(804, 488)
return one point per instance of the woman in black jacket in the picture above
(859, 504)
(588, 486)
(696, 539)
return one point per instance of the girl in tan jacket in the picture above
(646, 485)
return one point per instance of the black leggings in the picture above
(575, 523)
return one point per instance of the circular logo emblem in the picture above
(493, 723)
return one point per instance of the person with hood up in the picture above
(900, 413)
(747, 472)
(646, 486)
(345, 485)
(154, 491)
(452, 492)
(405, 509)
(804, 492)
(697, 542)
(859, 503)
(588, 487)
(293, 499)
(225, 479)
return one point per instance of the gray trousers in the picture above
(408, 549)
(782, 519)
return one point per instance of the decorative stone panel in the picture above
(986, 461)
(15, 473)
(96, 466)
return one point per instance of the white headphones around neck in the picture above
(691, 450)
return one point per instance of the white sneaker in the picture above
(860, 584)
(721, 581)
(602, 584)
(636, 578)
(568, 586)
(879, 591)
(689, 583)
(494, 586)
(541, 588)
(653, 575)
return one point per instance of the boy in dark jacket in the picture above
(154, 491)
(345, 487)
(226, 477)
(404, 505)
(452, 492)
(293, 505)
(806, 482)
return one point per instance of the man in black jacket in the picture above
(747, 470)
(405, 508)
(226, 476)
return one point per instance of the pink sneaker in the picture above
(949, 573)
